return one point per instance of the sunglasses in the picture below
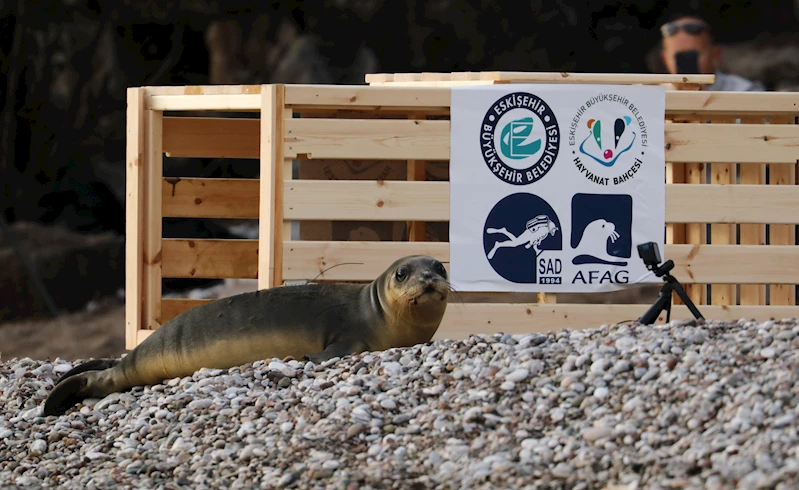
(689, 27)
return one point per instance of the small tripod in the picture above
(663, 303)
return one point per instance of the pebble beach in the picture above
(709, 405)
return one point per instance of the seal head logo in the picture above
(519, 138)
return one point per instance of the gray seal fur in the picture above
(402, 307)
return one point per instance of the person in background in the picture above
(688, 47)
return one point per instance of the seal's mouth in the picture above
(429, 291)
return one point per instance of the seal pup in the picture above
(402, 307)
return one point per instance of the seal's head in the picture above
(415, 291)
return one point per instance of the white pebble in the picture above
(518, 375)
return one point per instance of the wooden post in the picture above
(154, 174)
(270, 231)
(134, 215)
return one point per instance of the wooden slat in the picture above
(152, 262)
(730, 264)
(210, 258)
(733, 103)
(542, 77)
(323, 200)
(366, 200)
(782, 176)
(366, 97)
(172, 307)
(614, 78)
(732, 143)
(413, 201)
(211, 137)
(360, 97)
(270, 227)
(752, 234)
(430, 140)
(367, 139)
(134, 215)
(696, 232)
(463, 319)
(210, 198)
(203, 89)
(218, 102)
(722, 234)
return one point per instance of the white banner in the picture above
(553, 186)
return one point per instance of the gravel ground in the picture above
(622, 407)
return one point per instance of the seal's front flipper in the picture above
(65, 395)
(337, 349)
(93, 365)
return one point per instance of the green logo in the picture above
(514, 140)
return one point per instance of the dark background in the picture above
(66, 65)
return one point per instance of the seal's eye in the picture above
(401, 274)
(440, 270)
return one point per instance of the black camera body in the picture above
(649, 253)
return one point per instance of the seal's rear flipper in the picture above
(93, 365)
(65, 395)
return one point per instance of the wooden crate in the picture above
(416, 129)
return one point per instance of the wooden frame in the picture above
(748, 132)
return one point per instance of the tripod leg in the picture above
(663, 302)
(685, 299)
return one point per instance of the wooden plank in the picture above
(386, 139)
(779, 235)
(434, 83)
(543, 77)
(754, 264)
(412, 201)
(210, 258)
(429, 140)
(366, 200)
(374, 98)
(134, 214)
(359, 97)
(152, 261)
(270, 206)
(463, 319)
(612, 78)
(219, 102)
(212, 137)
(172, 307)
(752, 234)
(734, 103)
(416, 172)
(722, 234)
(210, 198)
(731, 143)
(203, 89)
(695, 228)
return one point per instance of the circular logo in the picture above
(519, 138)
(608, 136)
(518, 228)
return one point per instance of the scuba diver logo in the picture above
(519, 138)
(608, 154)
(615, 138)
(522, 240)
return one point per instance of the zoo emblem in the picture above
(519, 138)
